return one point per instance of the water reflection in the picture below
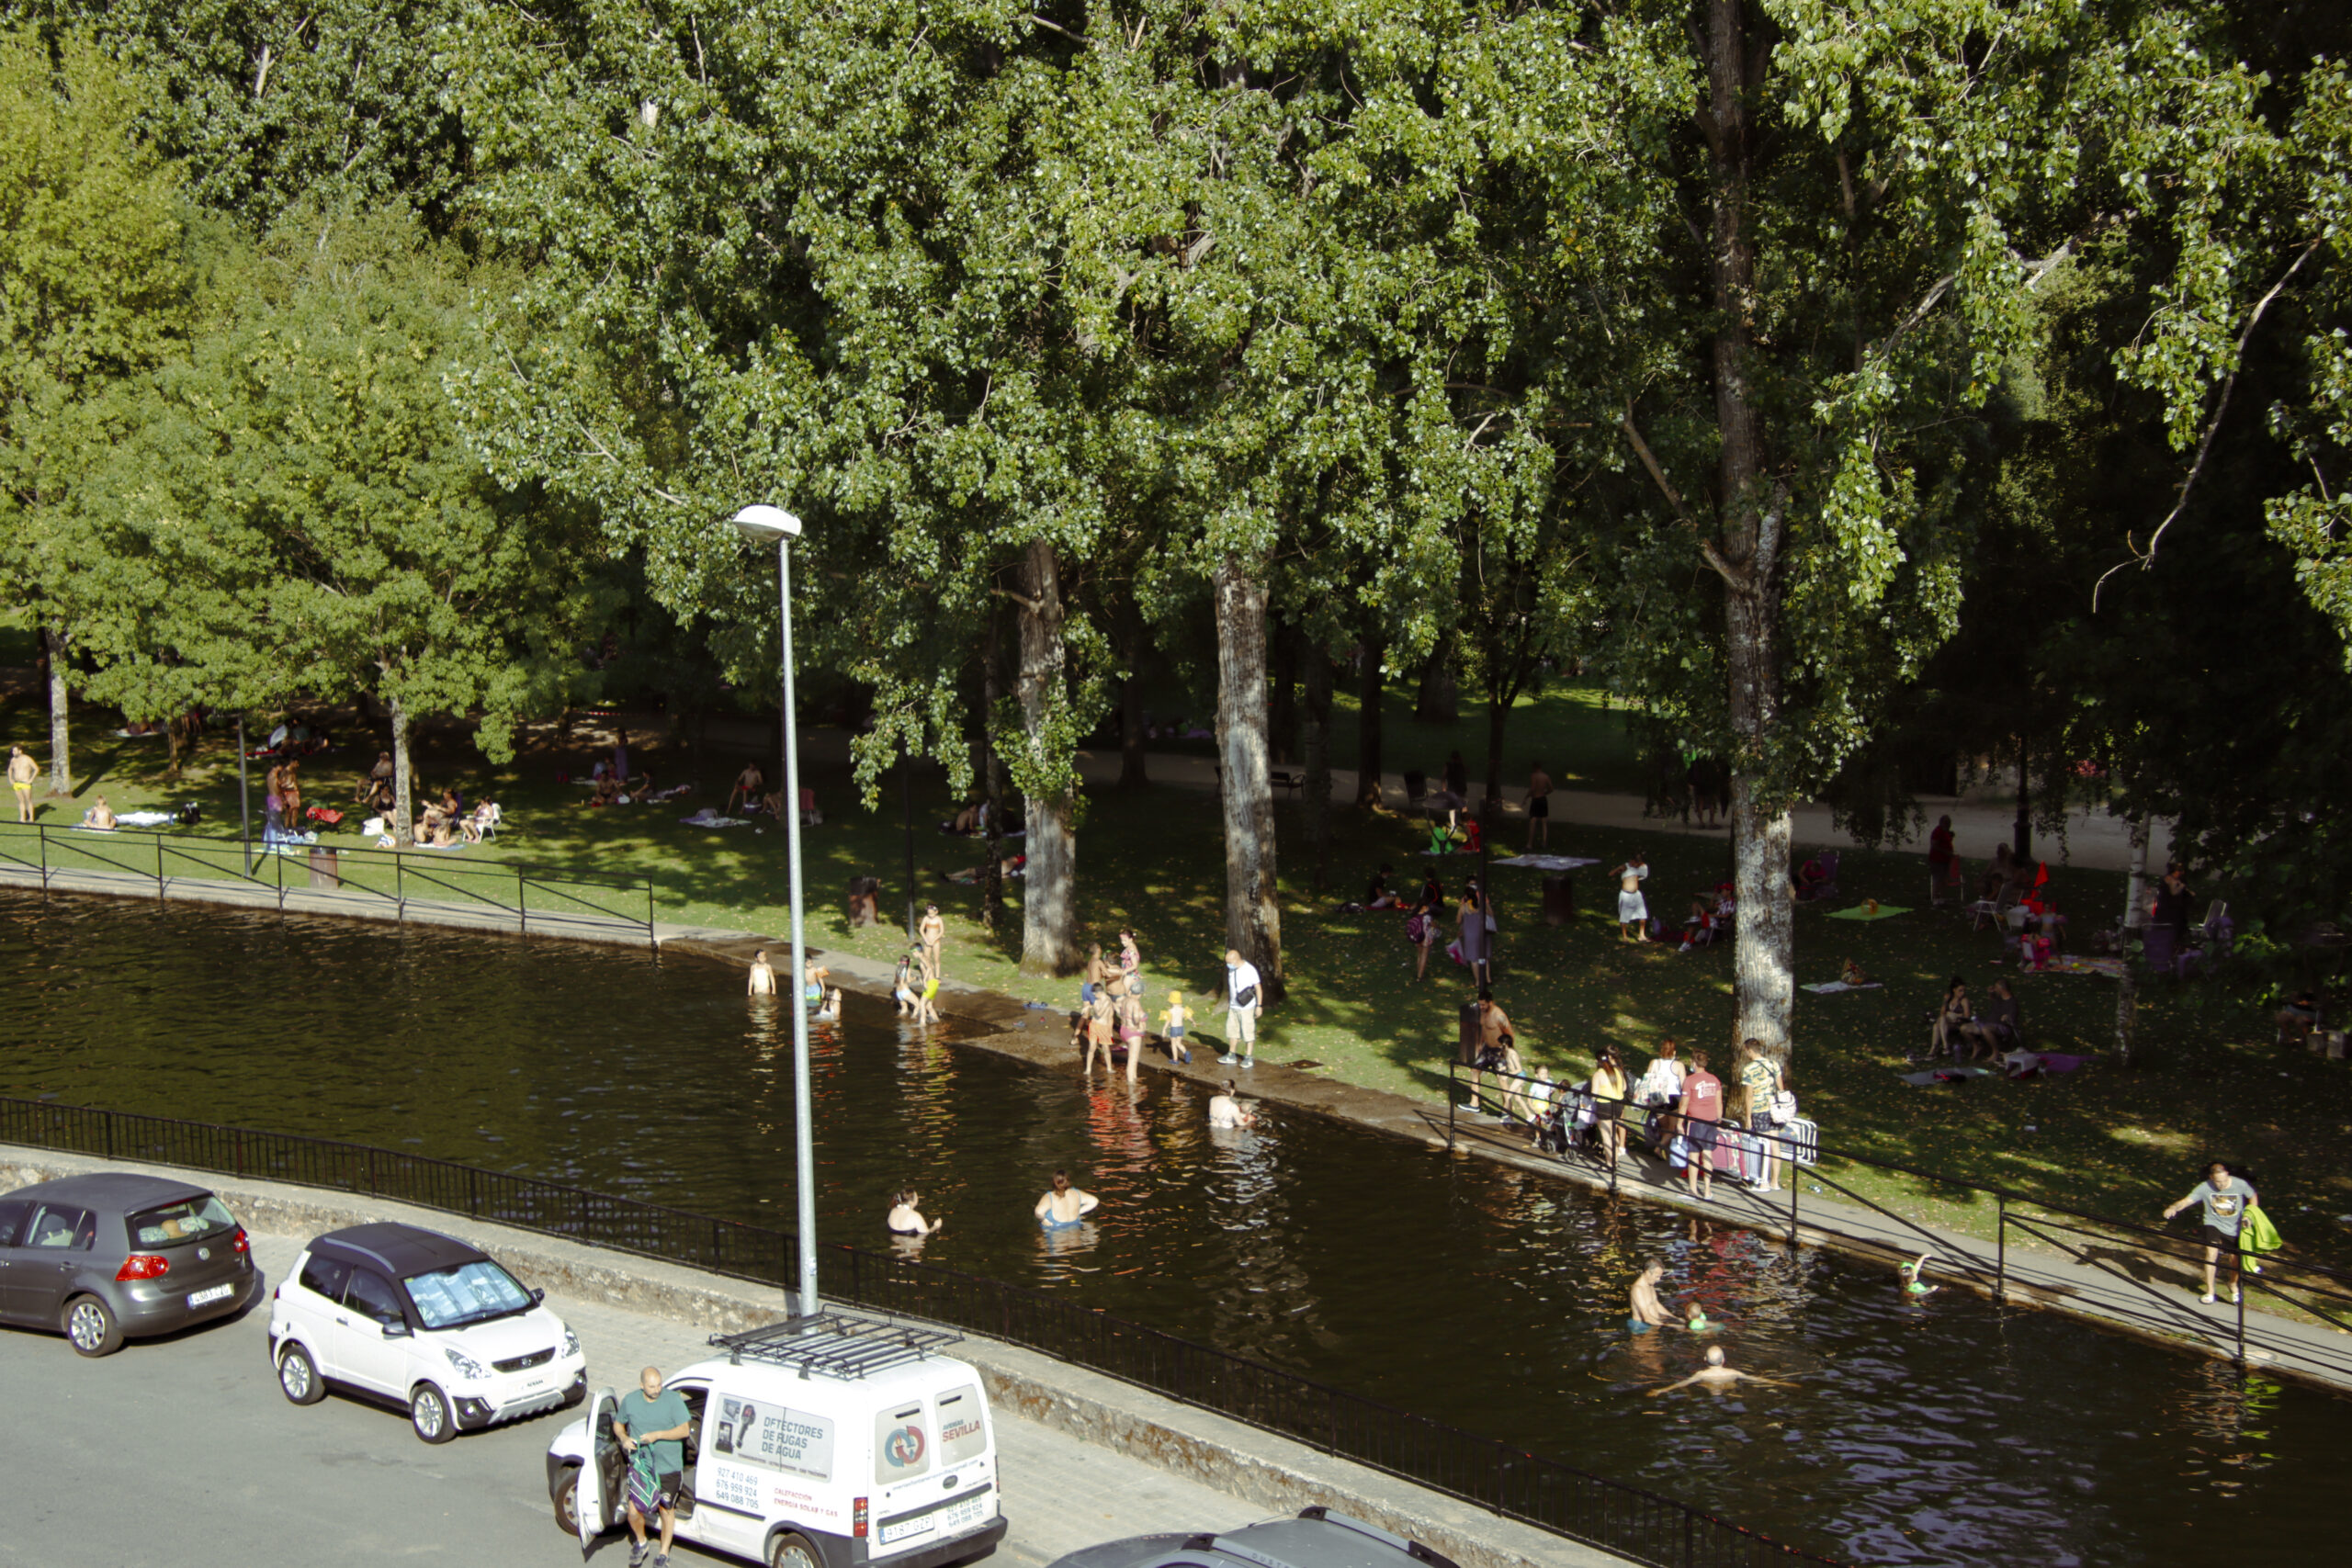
(1943, 1433)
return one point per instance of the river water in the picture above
(1490, 1298)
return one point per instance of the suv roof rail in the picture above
(834, 1343)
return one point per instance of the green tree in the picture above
(311, 518)
(94, 288)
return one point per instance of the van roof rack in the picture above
(837, 1344)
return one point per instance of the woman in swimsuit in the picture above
(906, 1218)
(1131, 1023)
(1064, 1204)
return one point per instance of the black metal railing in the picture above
(389, 881)
(2121, 1250)
(1493, 1474)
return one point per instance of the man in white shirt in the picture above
(1244, 1000)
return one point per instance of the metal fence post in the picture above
(2001, 1268)
(523, 902)
(43, 832)
(1790, 1166)
(1452, 1082)
(2237, 1288)
(159, 868)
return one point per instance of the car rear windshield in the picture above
(466, 1292)
(190, 1219)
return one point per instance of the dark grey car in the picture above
(1317, 1538)
(108, 1257)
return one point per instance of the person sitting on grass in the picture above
(1699, 925)
(99, 817)
(1809, 878)
(1850, 974)
(1999, 1027)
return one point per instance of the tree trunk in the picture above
(1049, 883)
(1315, 734)
(1282, 713)
(61, 738)
(1763, 983)
(1498, 716)
(403, 819)
(173, 743)
(2024, 845)
(1441, 698)
(1253, 920)
(991, 782)
(1132, 775)
(2127, 990)
(1372, 690)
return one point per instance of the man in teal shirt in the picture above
(653, 1425)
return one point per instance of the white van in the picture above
(833, 1441)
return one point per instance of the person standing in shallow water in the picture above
(932, 930)
(762, 981)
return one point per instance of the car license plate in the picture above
(217, 1294)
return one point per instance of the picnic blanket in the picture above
(1831, 988)
(1863, 912)
(2060, 963)
(1548, 863)
(1946, 1075)
(708, 817)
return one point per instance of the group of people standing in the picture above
(1112, 1020)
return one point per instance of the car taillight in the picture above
(143, 1266)
(242, 1243)
(857, 1518)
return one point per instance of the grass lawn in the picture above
(2207, 1080)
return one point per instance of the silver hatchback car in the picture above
(114, 1256)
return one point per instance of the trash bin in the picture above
(325, 870)
(1559, 900)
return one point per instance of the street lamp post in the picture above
(759, 524)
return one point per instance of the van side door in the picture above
(730, 1506)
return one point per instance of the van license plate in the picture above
(899, 1529)
(217, 1294)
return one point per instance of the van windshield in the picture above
(466, 1292)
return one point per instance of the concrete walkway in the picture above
(1081, 1459)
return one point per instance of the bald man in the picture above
(652, 1426)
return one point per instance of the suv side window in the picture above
(371, 1296)
(326, 1276)
(59, 1227)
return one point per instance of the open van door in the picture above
(600, 1479)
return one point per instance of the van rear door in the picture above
(904, 1457)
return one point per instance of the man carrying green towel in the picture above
(2225, 1201)
(652, 1423)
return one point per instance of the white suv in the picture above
(424, 1321)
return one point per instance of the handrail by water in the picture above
(2291, 1274)
(1492, 1475)
(332, 868)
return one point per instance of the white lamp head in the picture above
(765, 524)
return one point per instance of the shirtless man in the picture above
(1539, 808)
(1715, 1374)
(1646, 1312)
(1065, 1204)
(23, 772)
(1225, 1109)
(100, 817)
(750, 784)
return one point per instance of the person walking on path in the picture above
(23, 773)
(1473, 922)
(932, 930)
(1702, 1108)
(1174, 1018)
(1939, 861)
(1244, 1000)
(762, 982)
(2225, 1201)
(1539, 808)
(653, 1425)
(1632, 909)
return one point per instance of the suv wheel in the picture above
(567, 1503)
(90, 1327)
(298, 1377)
(429, 1413)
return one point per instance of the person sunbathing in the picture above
(100, 816)
(1852, 973)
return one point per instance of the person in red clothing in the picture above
(1939, 858)
(1702, 1107)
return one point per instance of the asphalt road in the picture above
(182, 1451)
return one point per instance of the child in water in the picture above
(1912, 1288)
(1699, 1321)
(1174, 1018)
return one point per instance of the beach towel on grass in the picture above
(1831, 988)
(2075, 964)
(1548, 863)
(1864, 912)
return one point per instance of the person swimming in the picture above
(1065, 1204)
(1911, 1273)
(906, 1218)
(1647, 1310)
(1697, 1321)
(1715, 1374)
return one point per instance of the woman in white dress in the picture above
(1633, 910)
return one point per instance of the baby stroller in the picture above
(1566, 1121)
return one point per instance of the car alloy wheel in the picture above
(298, 1377)
(89, 1324)
(428, 1411)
